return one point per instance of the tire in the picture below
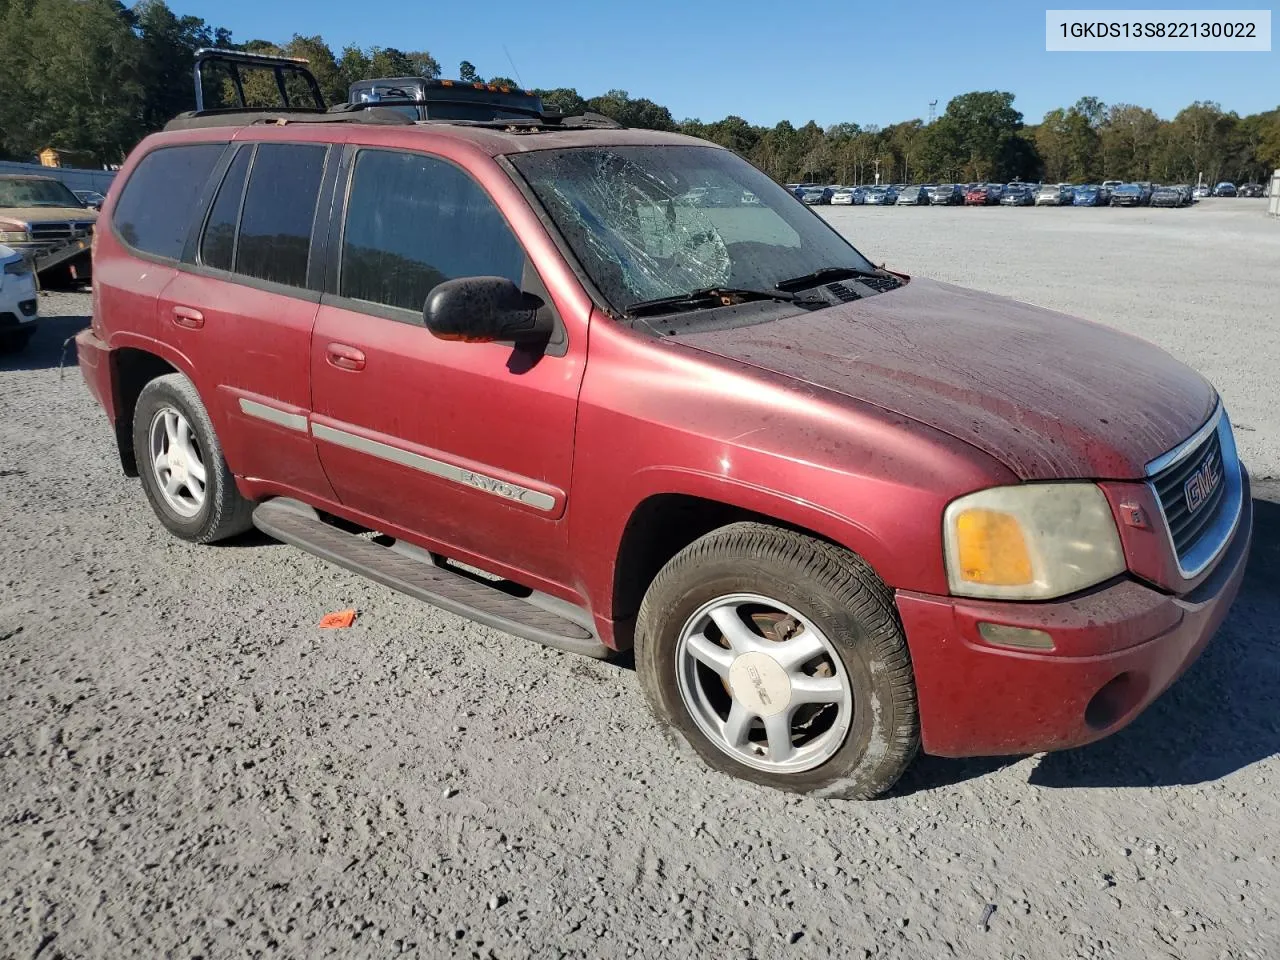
(858, 749)
(220, 511)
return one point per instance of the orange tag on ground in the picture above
(343, 618)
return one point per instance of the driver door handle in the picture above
(344, 357)
(188, 317)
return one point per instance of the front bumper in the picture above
(19, 304)
(94, 358)
(1117, 649)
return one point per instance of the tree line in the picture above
(92, 77)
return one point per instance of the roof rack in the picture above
(377, 108)
(233, 60)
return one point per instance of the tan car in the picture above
(39, 214)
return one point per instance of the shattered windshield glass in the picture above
(658, 221)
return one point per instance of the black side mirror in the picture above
(485, 310)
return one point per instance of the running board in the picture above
(412, 570)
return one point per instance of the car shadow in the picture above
(1222, 716)
(50, 347)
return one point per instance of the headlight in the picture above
(15, 236)
(1031, 542)
(17, 267)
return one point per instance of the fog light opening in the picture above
(1116, 700)
(1006, 636)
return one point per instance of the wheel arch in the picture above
(133, 366)
(663, 523)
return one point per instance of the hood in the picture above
(47, 214)
(1048, 395)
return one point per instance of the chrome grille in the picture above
(1185, 524)
(1200, 522)
(50, 231)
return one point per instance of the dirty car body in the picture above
(1054, 511)
(38, 214)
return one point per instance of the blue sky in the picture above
(769, 61)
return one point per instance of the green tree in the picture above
(322, 64)
(979, 137)
(1069, 143)
(564, 99)
(642, 113)
(1130, 138)
(1198, 142)
(73, 78)
(169, 43)
(467, 72)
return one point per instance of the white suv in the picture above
(18, 303)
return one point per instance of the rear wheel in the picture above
(780, 659)
(180, 463)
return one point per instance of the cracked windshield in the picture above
(654, 222)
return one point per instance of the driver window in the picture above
(415, 221)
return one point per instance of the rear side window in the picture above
(218, 245)
(155, 212)
(413, 222)
(279, 209)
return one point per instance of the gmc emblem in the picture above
(1201, 484)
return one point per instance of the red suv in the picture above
(519, 370)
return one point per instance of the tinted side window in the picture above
(155, 212)
(279, 207)
(217, 246)
(414, 222)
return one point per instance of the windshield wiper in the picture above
(710, 297)
(825, 275)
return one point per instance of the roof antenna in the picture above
(513, 66)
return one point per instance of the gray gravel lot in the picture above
(188, 767)
(1199, 281)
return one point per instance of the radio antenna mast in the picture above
(933, 110)
(519, 79)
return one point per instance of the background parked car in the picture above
(1169, 197)
(1252, 190)
(880, 196)
(1018, 195)
(90, 198)
(1202, 191)
(1090, 195)
(946, 194)
(844, 197)
(914, 196)
(1054, 195)
(1128, 195)
(1111, 184)
(814, 196)
(1224, 189)
(984, 194)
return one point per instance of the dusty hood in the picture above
(1048, 395)
(48, 214)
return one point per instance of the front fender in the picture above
(656, 417)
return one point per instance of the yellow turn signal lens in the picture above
(991, 548)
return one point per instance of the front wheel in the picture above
(780, 659)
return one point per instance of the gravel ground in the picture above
(188, 767)
(1199, 281)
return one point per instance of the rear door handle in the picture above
(344, 357)
(188, 317)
